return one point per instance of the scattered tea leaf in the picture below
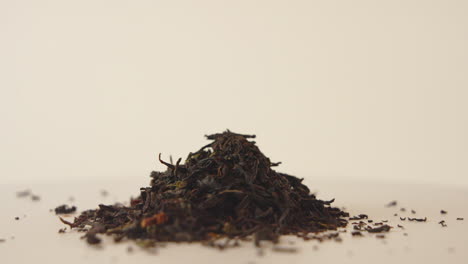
(65, 209)
(359, 217)
(383, 228)
(417, 219)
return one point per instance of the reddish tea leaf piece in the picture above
(159, 218)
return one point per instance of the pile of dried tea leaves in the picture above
(227, 189)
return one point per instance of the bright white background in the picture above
(342, 90)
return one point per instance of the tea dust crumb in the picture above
(284, 249)
(24, 193)
(64, 209)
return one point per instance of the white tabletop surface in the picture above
(34, 236)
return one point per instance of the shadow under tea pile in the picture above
(227, 189)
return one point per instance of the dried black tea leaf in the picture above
(65, 209)
(417, 219)
(359, 217)
(380, 229)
